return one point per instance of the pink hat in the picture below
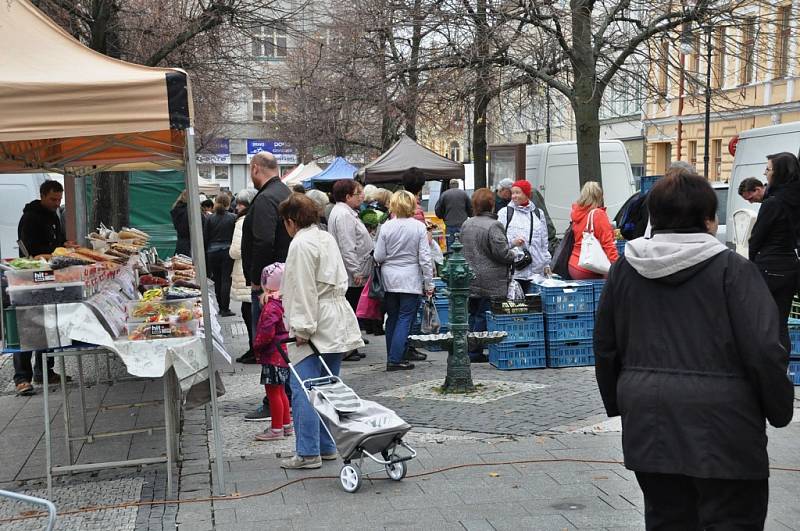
(271, 276)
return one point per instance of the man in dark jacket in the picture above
(687, 351)
(40, 231)
(264, 237)
(454, 208)
(40, 226)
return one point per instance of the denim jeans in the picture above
(311, 437)
(478, 306)
(401, 309)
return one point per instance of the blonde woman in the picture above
(404, 255)
(591, 200)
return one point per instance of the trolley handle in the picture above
(288, 340)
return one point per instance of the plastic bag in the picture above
(515, 291)
(430, 318)
(368, 308)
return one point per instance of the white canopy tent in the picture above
(69, 109)
(297, 177)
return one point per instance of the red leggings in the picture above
(278, 406)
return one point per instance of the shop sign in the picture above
(218, 151)
(285, 154)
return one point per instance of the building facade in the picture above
(753, 69)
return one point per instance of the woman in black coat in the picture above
(180, 220)
(218, 233)
(773, 240)
(687, 351)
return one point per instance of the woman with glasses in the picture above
(773, 240)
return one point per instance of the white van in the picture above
(17, 190)
(751, 159)
(553, 170)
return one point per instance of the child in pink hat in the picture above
(267, 348)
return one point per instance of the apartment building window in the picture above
(782, 42)
(748, 51)
(716, 160)
(719, 59)
(265, 104)
(214, 172)
(455, 151)
(693, 152)
(270, 42)
(221, 172)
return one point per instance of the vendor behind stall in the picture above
(40, 226)
(40, 232)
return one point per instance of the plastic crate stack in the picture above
(569, 324)
(794, 357)
(525, 347)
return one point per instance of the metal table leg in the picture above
(81, 392)
(169, 421)
(65, 395)
(47, 439)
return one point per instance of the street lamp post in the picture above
(706, 157)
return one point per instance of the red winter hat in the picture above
(525, 186)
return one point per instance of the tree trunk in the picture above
(482, 96)
(588, 93)
(110, 200)
(587, 125)
(412, 98)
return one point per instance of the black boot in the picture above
(248, 358)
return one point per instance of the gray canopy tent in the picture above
(68, 109)
(404, 155)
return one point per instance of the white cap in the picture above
(505, 183)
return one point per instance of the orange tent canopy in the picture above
(63, 105)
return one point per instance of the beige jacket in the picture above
(240, 291)
(313, 289)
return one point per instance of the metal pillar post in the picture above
(199, 260)
(708, 101)
(458, 276)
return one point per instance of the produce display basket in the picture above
(531, 304)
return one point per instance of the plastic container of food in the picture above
(47, 293)
(35, 277)
(164, 311)
(161, 330)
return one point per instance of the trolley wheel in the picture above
(350, 477)
(396, 471)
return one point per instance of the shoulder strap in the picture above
(530, 231)
(590, 224)
(509, 215)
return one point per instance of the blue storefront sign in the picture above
(218, 151)
(284, 153)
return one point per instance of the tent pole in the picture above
(199, 259)
(81, 220)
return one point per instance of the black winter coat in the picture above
(264, 238)
(39, 229)
(693, 363)
(218, 231)
(180, 220)
(774, 237)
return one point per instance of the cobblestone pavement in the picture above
(543, 456)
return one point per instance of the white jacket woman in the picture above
(527, 227)
(314, 286)
(240, 291)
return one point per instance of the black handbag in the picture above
(524, 261)
(376, 288)
(560, 261)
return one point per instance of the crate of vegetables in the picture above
(47, 293)
(35, 277)
(160, 311)
(161, 330)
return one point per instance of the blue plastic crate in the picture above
(520, 327)
(620, 246)
(574, 326)
(648, 181)
(570, 353)
(794, 371)
(597, 288)
(794, 336)
(510, 356)
(578, 297)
